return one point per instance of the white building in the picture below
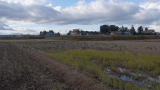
(149, 31)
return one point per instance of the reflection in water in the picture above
(126, 78)
(130, 78)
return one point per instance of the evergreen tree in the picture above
(146, 29)
(122, 29)
(133, 30)
(140, 29)
(104, 29)
(125, 29)
(114, 28)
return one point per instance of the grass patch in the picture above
(94, 62)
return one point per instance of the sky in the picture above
(33, 16)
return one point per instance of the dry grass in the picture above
(20, 71)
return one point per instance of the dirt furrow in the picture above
(68, 75)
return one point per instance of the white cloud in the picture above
(58, 8)
(24, 30)
(26, 2)
(6, 29)
(19, 30)
(98, 11)
(95, 12)
(29, 11)
(155, 27)
(152, 1)
(4, 26)
(149, 14)
(149, 5)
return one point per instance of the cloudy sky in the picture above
(33, 16)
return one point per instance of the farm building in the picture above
(120, 33)
(149, 31)
(116, 33)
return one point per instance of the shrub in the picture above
(36, 37)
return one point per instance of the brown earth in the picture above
(19, 71)
(135, 46)
(25, 69)
(70, 76)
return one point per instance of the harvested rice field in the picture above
(80, 65)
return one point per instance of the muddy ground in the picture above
(23, 69)
(135, 46)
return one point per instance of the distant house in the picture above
(149, 31)
(127, 33)
(75, 32)
(116, 33)
(120, 29)
(121, 33)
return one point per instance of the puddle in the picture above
(145, 81)
(154, 79)
(126, 78)
(122, 77)
(150, 78)
(112, 76)
(140, 83)
(122, 70)
(140, 75)
(158, 79)
(130, 79)
(107, 69)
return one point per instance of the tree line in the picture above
(107, 29)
